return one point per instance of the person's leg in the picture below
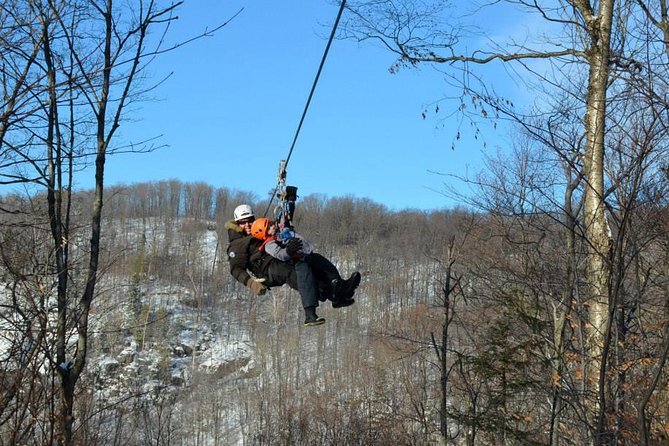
(279, 273)
(326, 275)
(299, 277)
(308, 288)
(339, 291)
(323, 269)
(306, 285)
(325, 290)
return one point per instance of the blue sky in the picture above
(230, 110)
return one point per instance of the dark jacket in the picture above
(244, 255)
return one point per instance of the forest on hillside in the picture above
(535, 314)
(468, 327)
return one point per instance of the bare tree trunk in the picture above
(442, 349)
(596, 225)
(443, 359)
(71, 369)
(656, 376)
(562, 310)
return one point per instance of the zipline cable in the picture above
(318, 74)
(284, 164)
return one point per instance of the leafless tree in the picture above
(68, 71)
(598, 45)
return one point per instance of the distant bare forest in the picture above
(468, 327)
(537, 314)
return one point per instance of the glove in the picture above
(293, 246)
(257, 286)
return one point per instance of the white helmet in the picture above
(243, 211)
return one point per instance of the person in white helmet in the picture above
(244, 255)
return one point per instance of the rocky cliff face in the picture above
(165, 345)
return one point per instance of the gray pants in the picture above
(298, 276)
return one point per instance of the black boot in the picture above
(311, 318)
(344, 289)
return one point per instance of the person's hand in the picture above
(257, 286)
(293, 246)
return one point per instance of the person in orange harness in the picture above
(294, 248)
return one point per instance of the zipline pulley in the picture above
(287, 195)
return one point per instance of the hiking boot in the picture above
(344, 289)
(312, 321)
(311, 318)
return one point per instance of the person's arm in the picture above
(277, 250)
(238, 271)
(238, 259)
(282, 251)
(307, 246)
